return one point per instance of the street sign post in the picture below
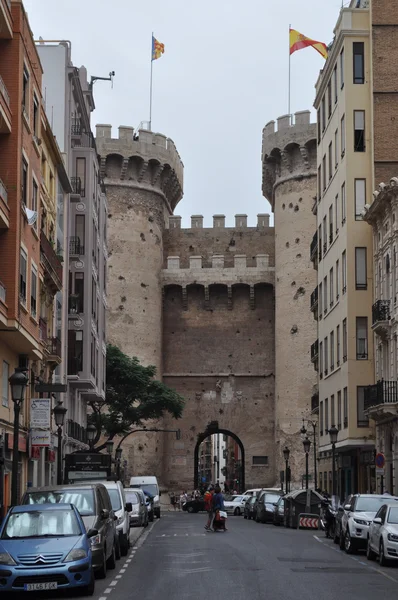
(380, 460)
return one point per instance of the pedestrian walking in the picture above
(208, 498)
(173, 501)
(220, 516)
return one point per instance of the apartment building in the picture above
(69, 103)
(342, 251)
(381, 399)
(31, 172)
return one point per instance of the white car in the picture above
(357, 516)
(121, 509)
(235, 505)
(383, 534)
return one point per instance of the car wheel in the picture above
(124, 544)
(236, 512)
(383, 562)
(257, 519)
(151, 517)
(370, 555)
(341, 541)
(190, 509)
(89, 589)
(111, 562)
(102, 570)
(349, 543)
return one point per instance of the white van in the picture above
(148, 484)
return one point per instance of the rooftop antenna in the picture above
(94, 78)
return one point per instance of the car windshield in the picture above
(115, 499)
(237, 498)
(132, 497)
(252, 500)
(369, 504)
(271, 498)
(46, 523)
(148, 488)
(82, 499)
(393, 516)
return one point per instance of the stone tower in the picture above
(143, 175)
(289, 183)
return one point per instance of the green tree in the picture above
(132, 396)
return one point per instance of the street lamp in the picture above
(18, 382)
(109, 446)
(286, 454)
(59, 412)
(303, 432)
(91, 433)
(333, 433)
(307, 446)
(118, 456)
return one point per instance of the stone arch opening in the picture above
(234, 475)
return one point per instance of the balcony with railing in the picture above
(76, 127)
(76, 431)
(76, 248)
(314, 302)
(314, 247)
(77, 189)
(381, 398)
(54, 348)
(314, 351)
(381, 316)
(52, 264)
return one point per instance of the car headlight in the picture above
(95, 540)
(361, 522)
(6, 559)
(392, 537)
(76, 554)
(119, 520)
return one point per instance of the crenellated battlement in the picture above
(219, 222)
(141, 159)
(288, 151)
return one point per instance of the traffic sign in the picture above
(380, 460)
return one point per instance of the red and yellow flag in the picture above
(157, 48)
(298, 41)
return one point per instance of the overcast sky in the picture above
(224, 74)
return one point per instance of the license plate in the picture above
(37, 587)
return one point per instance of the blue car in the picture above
(45, 547)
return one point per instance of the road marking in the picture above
(122, 571)
(177, 535)
(367, 565)
(113, 583)
(118, 576)
(102, 598)
(108, 591)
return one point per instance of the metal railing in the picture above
(76, 126)
(3, 192)
(51, 259)
(4, 92)
(75, 247)
(55, 347)
(383, 392)
(2, 292)
(314, 245)
(76, 431)
(314, 299)
(76, 183)
(380, 311)
(314, 350)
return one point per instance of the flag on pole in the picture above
(157, 48)
(298, 41)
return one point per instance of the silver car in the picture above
(383, 534)
(139, 512)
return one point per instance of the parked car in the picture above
(94, 505)
(194, 506)
(252, 492)
(139, 512)
(383, 535)
(265, 507)
(357, 515)
(121, 508)
(249, 505)
(279, 511)
(149, 485)
(46, 547)
(235, 505)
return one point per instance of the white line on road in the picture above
(113, 583)
(118, 576)
(122, 571)
(102, 598)
(108, 591)
(368, 566)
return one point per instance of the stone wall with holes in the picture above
(218, 338)
(289, 183)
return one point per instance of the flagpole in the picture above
(288, 102)
(150, 87)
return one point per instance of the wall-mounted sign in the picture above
(40, 438)
(35, 453)
(40, 413)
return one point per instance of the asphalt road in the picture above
(175, 558)
(178, 559)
